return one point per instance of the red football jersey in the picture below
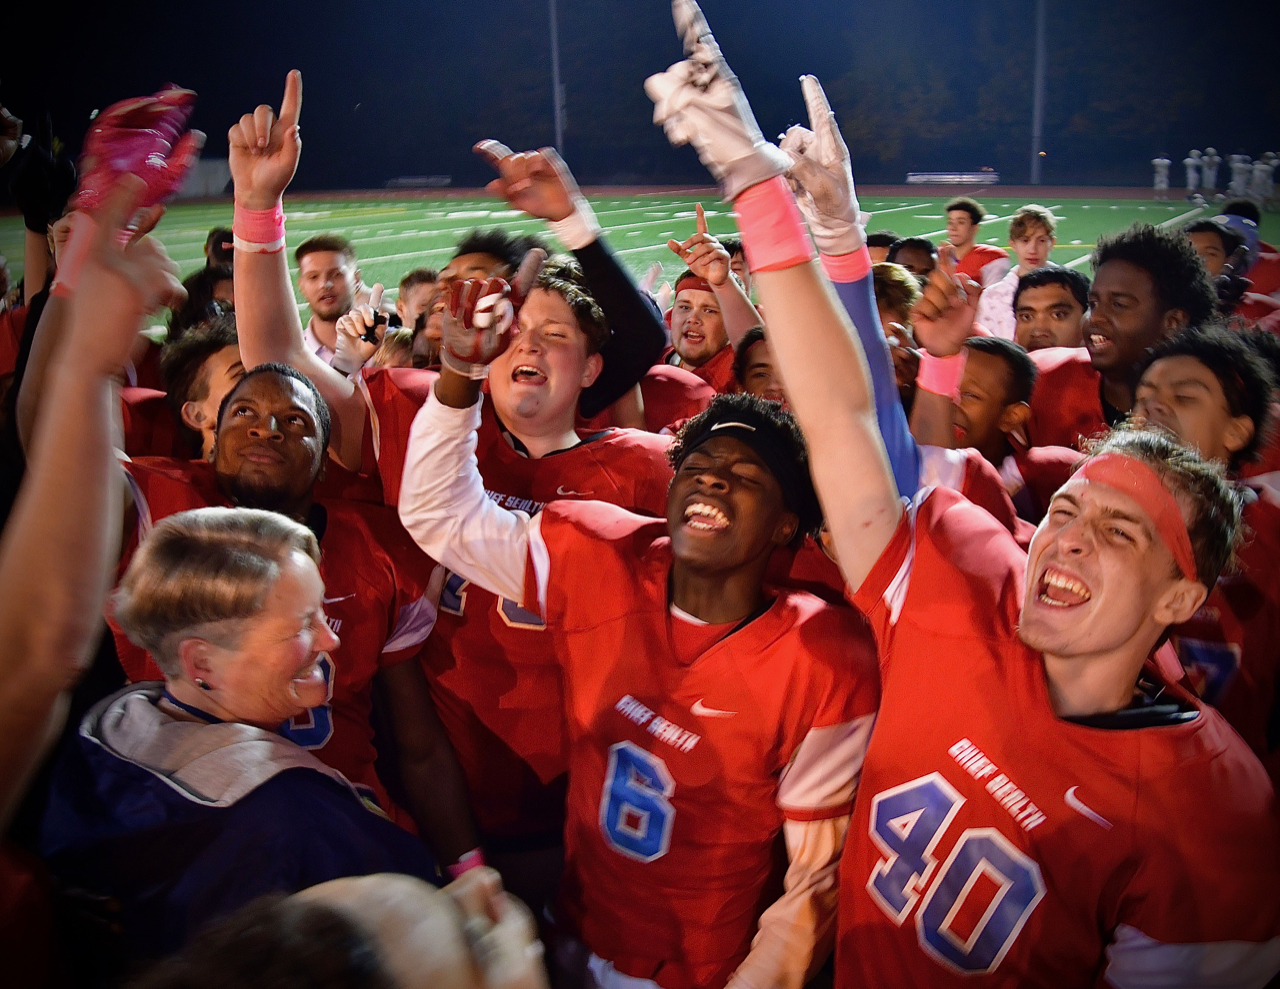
(13, 323)
(1066, 404)
(670, 394)
(150, 429)
(985, 264)
(492, 665)
(717, 372)
(376, 602)
(968, 472)
(1231, 648)
(393, 396)
(996, 844)
(1265, 275)
(1033, 475)
(681, 774)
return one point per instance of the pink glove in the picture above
(144, 137)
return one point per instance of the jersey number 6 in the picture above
(635, 812)
(906, 824)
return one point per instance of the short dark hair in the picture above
(564, 277)
(1179, 275)
(1243, 207)
(199, 305)
(1022, 369)
(324, 421)
(326, 242)
(182, 363)
(213, 248)
(1231, 239)
(776, 427)
(509, 248)
(971, 206)
(919, 243)
(1075, 282)
(275, 942)
(731, 244)
(1215, 507)
(419, 276)
(881, 238)
(749, 339)
(1247, 380)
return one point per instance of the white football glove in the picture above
(821, 177)
(699, 102)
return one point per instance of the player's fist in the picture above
(943, 317)
(699, 102)
(264, 149)
(821, 177)
(123, 276)
(476, 326)
(359, 333)
(703, 254)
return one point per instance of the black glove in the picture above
(42, 184)
(1232, 286)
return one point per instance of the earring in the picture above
(202, 685)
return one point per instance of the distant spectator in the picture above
(737, 260)
(219, 246)
(1032, 235)
(417, 293)
(984, 263)
(1050, 308)
(879, 243)
(329, 279)
(918, 255)
(396, 349)
(210, 292)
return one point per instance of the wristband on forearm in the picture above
(258, 231)
(579, 228)
(474, 859)
(941, 375)
(476, 372)
(773, 232)
(846, 268)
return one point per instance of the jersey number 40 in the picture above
(635, 810)
(972, 908)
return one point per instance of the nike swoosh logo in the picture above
(345, 597)
(572, 494)
(702, 711)
(1075, 804)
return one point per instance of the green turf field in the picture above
(395, 235)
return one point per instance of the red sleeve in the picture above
(672, 394)
(983, 487)
(412, 613)
(1066, 403)
(393, 396)
(13, 323)
(150, 429)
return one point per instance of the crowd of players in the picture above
(910, 599)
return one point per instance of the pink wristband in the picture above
(845, 268)
(472, 860)
(258, 231)
(941, 375)
(773, 232)
(83, 229)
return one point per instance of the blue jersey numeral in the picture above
(314, 726)
(635, 812)
(907, 822)
(453, 597)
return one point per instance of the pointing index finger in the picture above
(492, 151)
(291, 105)
(375, 296)
(702, 220)
(815, 101)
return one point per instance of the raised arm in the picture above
(816, 346)
(540, 183)
(706, 258)
(59, 549)
(264, 153)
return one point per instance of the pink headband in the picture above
(1143, 485)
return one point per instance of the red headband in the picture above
(693, 281)
(1143, 485)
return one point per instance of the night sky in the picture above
(395, 88)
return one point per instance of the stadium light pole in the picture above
(557, 91)
(1037, 105)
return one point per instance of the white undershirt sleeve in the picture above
(444, 507)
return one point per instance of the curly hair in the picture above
(1215, 525)
(1247, 381)
(777, 431)
(971, 206)
(509, 248)
(1179, 275)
